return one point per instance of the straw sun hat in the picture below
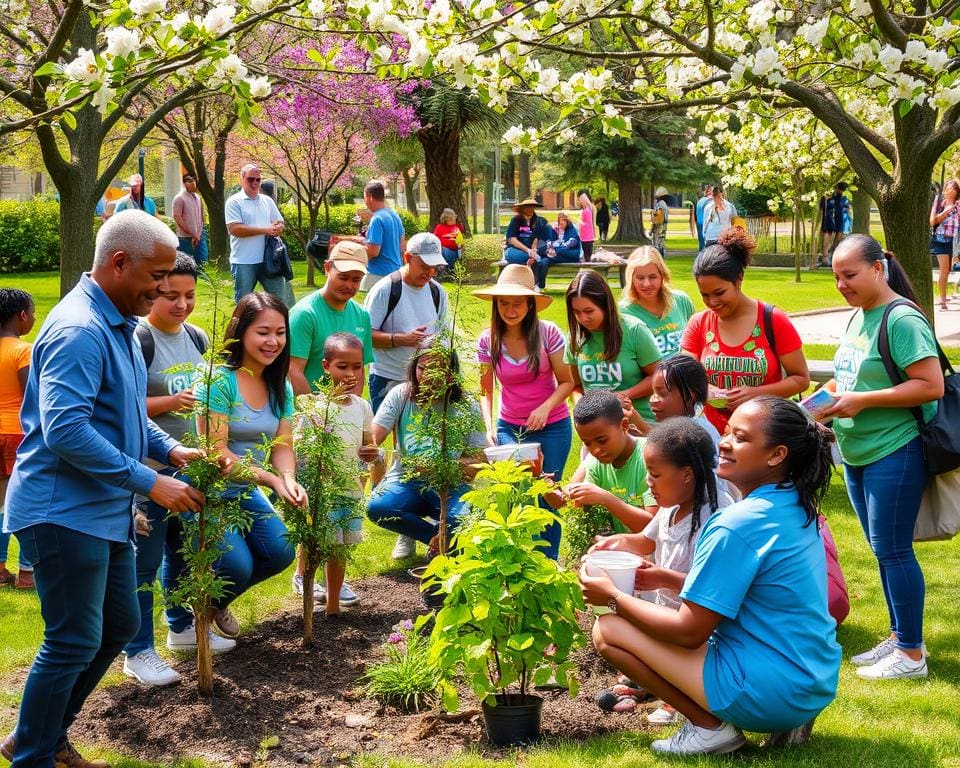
(515, 280)
(528, 202)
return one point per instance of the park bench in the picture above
(821, 371)
(576, 266)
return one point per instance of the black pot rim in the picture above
(514, 699)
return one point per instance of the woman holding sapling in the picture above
(250, 402)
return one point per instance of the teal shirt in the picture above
(667, 328)
(877, 432)
(639, 349)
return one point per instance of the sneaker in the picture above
(665, 715)
(895, 666)
(7, 579)
(347, 596)
(871, 657)
(319, 591)
(694, 740)
(68, 757)
(405, 547)
(148, 668)
(226, 624)
(7, 747)
(25, 580)
(187, 641)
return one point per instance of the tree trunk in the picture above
(218, 239)
(441, 152)
(860, 207)
(509, 180)
(630, 222)
(314, 214)
(489, 212)
(905, 217)
(308, 579)
(204, 655)
(410, 187)
(523, 182)
(77, 203)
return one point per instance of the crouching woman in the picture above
(752, 646)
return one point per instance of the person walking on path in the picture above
(882, 452)
(588, 215)
(659, 218)
(649, 298)
(188, 214)
(86, 434)
(945, 220)
(718, 214)
(17, 316)
(251, 217)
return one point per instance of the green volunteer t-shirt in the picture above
(666, 329)
(312, 320)
(638, 349)
(628, 482)
(877, 432)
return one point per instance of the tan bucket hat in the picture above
(516, 280)
(528, 201)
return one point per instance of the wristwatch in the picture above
(612, 602)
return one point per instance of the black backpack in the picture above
(941, 435)
(396, 288)
(149, 346)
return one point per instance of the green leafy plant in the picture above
(327, 476)
(509, 618)
(581, 525)
(406, 678)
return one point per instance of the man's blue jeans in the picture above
(886, 497)
(248, 558)
(450, 255)
(555, 440)
(245, 279)
(515, 255)
(198, 251)
(88, 602)
(378, 387)
(5, 547)
(563, 256)
(403, 506)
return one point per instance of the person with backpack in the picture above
(878, 434)
(748, 348)
(406, 308)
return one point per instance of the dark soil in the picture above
(270, 686)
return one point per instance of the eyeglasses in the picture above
(188, 180)
(253, 179)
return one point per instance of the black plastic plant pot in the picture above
(432, 598)
(514, 721)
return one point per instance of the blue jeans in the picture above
(886, 497)
(515, 256)
(401, 506)
(245, 279)
(450, 255)
(555, 440)
(89, 608)
(564, 256)
(5, 547)
(378, 386)
(199, 252)
(165, 539)
(248, 558)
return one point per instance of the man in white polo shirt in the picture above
(250, 217)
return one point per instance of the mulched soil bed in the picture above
(271, 687)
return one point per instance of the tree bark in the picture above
(509, 180)
(905, 217)
(410, 187)
(204, 654)
(441, 152)
(523, 182)
(488, 209)
(860, 207)
(630, 222)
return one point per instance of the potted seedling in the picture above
(509, 621)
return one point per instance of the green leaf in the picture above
(449, 697)
(520, 642)
(69, 120)
(50, 68)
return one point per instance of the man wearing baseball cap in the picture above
(136, 200)
(405, 309)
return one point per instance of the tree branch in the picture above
(887, 24)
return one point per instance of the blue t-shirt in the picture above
(701, 204)
(385, 230)
(773, 662)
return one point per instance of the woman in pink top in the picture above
(588, 213)
(525, 355)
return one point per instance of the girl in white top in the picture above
(717, 216)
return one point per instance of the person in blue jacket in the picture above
(563, 245)
(525, 232)
(753, 645)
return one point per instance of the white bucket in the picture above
(528, 451)
(621, 567)
(518, 452)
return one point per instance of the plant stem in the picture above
(204, 656)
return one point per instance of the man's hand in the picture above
(184, 399)
(412, 339)
(180, 455)
(176, 495)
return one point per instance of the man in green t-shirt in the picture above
(327, 311)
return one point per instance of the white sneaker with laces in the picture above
(347, 596)
(404, 547)
(895, 666)
(148, 668)
(663, 716)
(694, 740)
(319, 591)
(187, 641)
(879, 651)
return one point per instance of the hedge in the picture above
(29, 235)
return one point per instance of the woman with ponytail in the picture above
(879, 438)
(752, 645)
(748, 348)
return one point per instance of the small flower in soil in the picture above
(406, 625)
(395, 638)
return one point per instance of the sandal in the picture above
(622, 696)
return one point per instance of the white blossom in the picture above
(102, 97)
(229, 69)
(218, 19)
(760, 15)
(946, 98)
(860, 8)
(179, 21)
(814, 31)
(122, 41)
(439, 13)
(147, 7)
(83, 68)
(260, 87)
(383, 53)
(905, 87)
(260, 6)
(737, 72)
(915, 51)
(317, 8)
(890, 58)
(548, 81)
(937, 60)
(419, 53)
(764, 61)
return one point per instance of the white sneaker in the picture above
(187, 641)
(871, 657)
(665, 715)
(347, 596)
(693, 740)
(148, 668)
(405, 547)
(895, 666)
(319, 591)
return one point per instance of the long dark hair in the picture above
(529, 327)
(275, 374)
(688, 377)
(454, 393)
(684, 443)
(590, 285)
(870, 250)
(809, 461)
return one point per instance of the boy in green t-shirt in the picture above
(614, 475)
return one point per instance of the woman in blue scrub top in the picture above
(752, 646)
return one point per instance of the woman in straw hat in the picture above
(525, 355)
(649, 298)
(525, 232)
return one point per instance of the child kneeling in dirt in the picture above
(352, 422)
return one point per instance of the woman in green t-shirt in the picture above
(649, 298)
(879, 440)
(607, 351)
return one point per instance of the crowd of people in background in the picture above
(690, 441)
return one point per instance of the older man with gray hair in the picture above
(86, 434)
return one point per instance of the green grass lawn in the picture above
(887, 725)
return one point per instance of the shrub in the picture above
(480, 252)
(406, 678)
(29, 235)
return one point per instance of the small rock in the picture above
(301, 757)
(356, 721)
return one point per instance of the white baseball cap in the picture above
(427, 246)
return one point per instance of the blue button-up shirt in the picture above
(85, 422)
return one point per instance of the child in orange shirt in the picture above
(16, 320)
